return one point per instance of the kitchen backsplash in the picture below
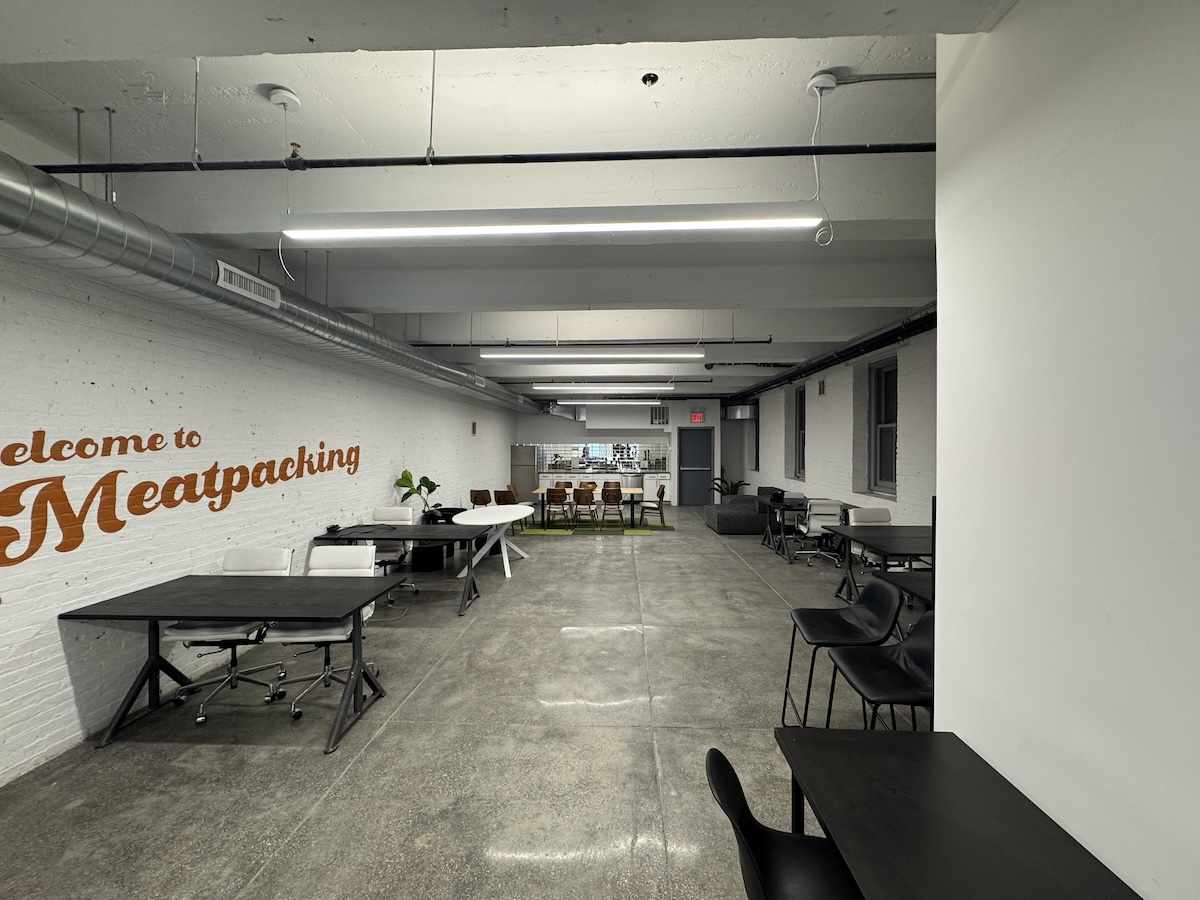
(641, 457)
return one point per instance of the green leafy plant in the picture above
(725, 487)
(421, 488)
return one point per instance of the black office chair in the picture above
(777, 865)
(865, 624)
(891, 675)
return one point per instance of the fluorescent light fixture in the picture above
(586, 402)
(557, 353)
(533, 229)
(596, 388)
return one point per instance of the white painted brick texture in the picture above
(84, 360)
(830, 434)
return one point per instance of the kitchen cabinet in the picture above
(650, 483)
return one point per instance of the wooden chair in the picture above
(612, 484)
(481, 498)
(611, 501)
(563, 484)
(556, 502)
(508, 498)
(656, 507)
(585, 506)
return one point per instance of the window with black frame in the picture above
(800, 428)
(883, 416)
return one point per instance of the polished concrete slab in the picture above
(550, 743)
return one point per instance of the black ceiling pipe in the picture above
(481, 159)
(920, 321)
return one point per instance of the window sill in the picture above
(882, 495)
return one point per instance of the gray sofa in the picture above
(740, 513)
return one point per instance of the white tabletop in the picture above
(494, 515)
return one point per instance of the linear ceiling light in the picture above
(402, 232)
(585, 353)
(594, 388)
(586, 402)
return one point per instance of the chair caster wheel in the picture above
(179, 701)
(416, 591)
(297, 713)
(282, 675)
(200, 720)
(810, 563)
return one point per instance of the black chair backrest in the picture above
(611, 496)
(727, 791)
(877, 608)
(918, 647)
(662, 492)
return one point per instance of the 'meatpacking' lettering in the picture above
(47, 499)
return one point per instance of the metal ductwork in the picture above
(740, 412)
(51, 223)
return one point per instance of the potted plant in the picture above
(421, 488)
(725, 487)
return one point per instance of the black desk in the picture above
(915, 584)
(448, 533)
(889, 541)
(244, 599)
(922, 816)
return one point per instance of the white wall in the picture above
(1069, 430)
(82, 360)
(830, 434)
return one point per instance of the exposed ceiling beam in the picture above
(59, 30)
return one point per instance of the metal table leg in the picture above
(797, 808)
(147, 677)
(542, 497)
(470, 591)
(848, 581)
(354, 702)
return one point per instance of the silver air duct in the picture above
(48, 222)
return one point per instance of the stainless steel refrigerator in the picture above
(524, 474)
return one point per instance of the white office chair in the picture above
(392, 553)
(228, 636)
(339, 562)
(810, 530)
(868, 515)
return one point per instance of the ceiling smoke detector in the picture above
(281, 96)
(821, 81)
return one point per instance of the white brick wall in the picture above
(84, 360)
(830, 435)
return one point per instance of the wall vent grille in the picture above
(660, 415)
(821, 388)
(246, 285)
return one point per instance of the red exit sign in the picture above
(697, 418)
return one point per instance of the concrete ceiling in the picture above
(62, 30)
(772, 301)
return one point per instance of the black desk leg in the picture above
(147, 677)
(797, 808)
(354, 702)
(543, 505)
(470, 591)
(848, 583)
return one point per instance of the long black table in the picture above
(915, 584)
(922, 816)
(889, 541)
(244, 599)
(447, 533)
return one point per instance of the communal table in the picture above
(222, 598)
(444, 533)
(496, 519)
(889, 541)
(922, 816)
(915, 584)
(630, 495)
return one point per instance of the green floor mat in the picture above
(549, 532)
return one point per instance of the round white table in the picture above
(499, 517)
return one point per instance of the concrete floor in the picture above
(548, 744)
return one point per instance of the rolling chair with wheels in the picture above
(890, 675)
(393, 553)
(867, 623)
(229, 636)
(338, 562)
(815, 516)
(777, 865)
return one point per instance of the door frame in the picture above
(712, 443)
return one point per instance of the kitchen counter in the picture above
(604, 472)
